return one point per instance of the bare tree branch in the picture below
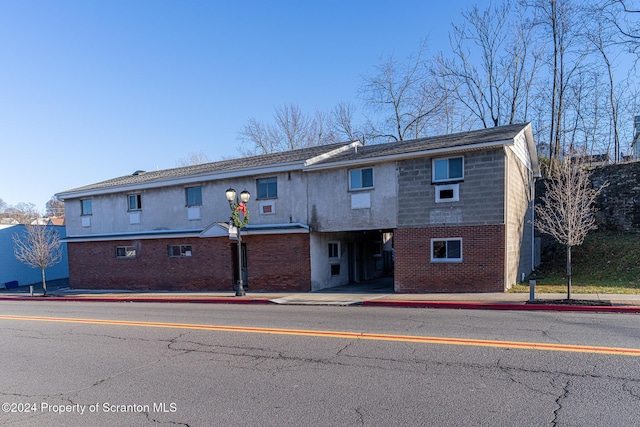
(39, 248)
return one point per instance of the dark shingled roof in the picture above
(454, 140)
(284, 157)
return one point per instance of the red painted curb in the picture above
(505, 306)
(230, 300)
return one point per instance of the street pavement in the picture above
(621, 303)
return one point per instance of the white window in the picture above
(179, 251)
(360, 179)
(446, 250)
(135, 202)
(451, 169)
(447, 193)
(125, 251)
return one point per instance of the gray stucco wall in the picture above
(331, 204)
(481, 193)
(165, 208)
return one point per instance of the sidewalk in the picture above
(477, 301)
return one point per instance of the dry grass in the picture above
(607, 263)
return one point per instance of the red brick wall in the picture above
(481, 269)
(274, 262)
(279, 262)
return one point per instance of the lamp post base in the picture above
(240, 290)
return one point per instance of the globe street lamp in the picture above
(237, 207)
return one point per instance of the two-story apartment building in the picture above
(449, 213)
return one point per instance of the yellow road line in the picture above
(347, 335)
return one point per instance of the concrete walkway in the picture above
(486, 301)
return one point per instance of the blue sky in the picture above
(92, 90)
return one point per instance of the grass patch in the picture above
(606, 263)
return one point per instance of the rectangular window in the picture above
(179, 251)
(360, 179)
(135, 202)
(194, 196)
(125, 251)
(450, 169)
(85, 207)
(447, 193)
(334, 250)
(446, 250)
(268, 188)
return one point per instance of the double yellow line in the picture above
(344, 335)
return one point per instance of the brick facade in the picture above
(93, 265)
(481, 269)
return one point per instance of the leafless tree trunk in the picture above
(567, 211)
(39, 248)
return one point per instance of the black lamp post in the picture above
(238, 206)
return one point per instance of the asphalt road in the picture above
(106, 364)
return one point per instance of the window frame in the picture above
(129, 252)
(184, 253)
(444, 187)
(362, 186)
(137, 197)
(83, 204)
(267, 181)
(447, 240)
(448, 177)
(336, 245)
(197, 200)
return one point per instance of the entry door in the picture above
(234, 257)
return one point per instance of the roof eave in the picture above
(411, 155)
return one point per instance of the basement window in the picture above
(179, 251)
(125, 251)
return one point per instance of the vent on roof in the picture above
(138, 172)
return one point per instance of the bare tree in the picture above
(3, 206)
(24, 213)
(192, 159)
(343, 122)
(54, 207)
(563, 25)
(567, 211)
(291, 129)
(624, 16)
(403, 96)
(39, 248)
(492, 65)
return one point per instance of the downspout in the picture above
(506, 285)
(533, 221)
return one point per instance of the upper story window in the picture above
(267, 188)
(360, 178)
(450, 169)
(194, 196)
(135, 202)
(85, 207)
